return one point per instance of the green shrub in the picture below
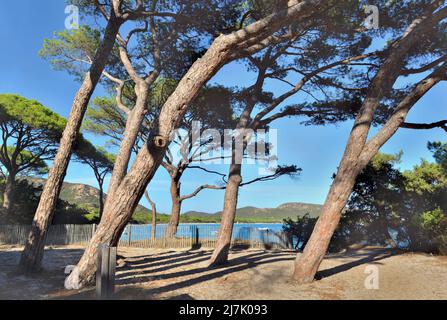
(430, 231)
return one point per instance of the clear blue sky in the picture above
(317, 150)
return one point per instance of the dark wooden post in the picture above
(195, 239)
(93, 229)
(197, 235)
(250, 241)
(105, 272)
(130, 235)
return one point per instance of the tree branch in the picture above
(202, 187)
(425, 126)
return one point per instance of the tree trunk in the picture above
(154, 223)
(117, 212)
(356, 157)
(306, 264)
(32, 254)
(8, 195)
(101, 201)
(154, 215)
(220, 253)
(174, 221)
(118, 208)
(358, 153)
(132, 129)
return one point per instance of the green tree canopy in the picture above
(401, 208)
(425, 178)
(439, 151)
(28, 163)
(72, 51)
(30, 133)
(376, 199)
(30, 136)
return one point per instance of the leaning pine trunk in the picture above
(220, 254)
(32, 254)
(9, 192)
(117, 212)
(154, 223)
(101, 201)
(358, 154)
(174, 221)
(132, 129)
(354, 160)
(154, 215)
(222, 248)
(119, 208)
(306, 264)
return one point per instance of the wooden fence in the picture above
(139, 236)
(58, 234)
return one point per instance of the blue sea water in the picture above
(243, 231)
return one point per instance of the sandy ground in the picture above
(251, 274)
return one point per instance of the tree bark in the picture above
(154, 224)
(32, 254)
(132, 129)
(174, 221)
(220, 253)
(307, 264)
(8, 195)
(222, 248)
(119, 208)
(154, 215)
(101, 201)
(358, 153)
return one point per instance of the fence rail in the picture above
(139, 236)
(58, 234)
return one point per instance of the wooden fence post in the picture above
(130, 235)
(93, 229)
(194, 236)
(197, 239)
(105, 272)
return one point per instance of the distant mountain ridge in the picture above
(86, 196)
(253, 214)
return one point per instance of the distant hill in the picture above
(254, 214)
(86, 198)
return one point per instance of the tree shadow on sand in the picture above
(145, 269)
(203, 273)
(16, 285)
(369, 256)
